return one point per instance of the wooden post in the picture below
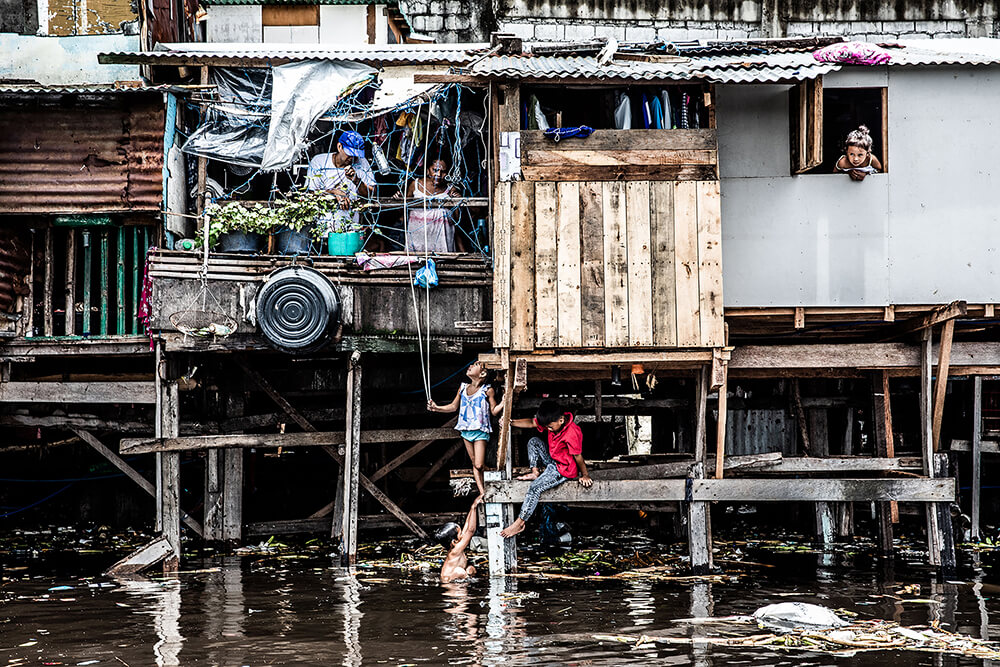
(977, 452)
(213, 495)
(941, 384)
(800, 417)
(352, 463)
(168, 482)
(70, 307)
(720, 432)
(884, 447)
(48, 304)
(946, 537)
(699, 517)
(934, 545)
(232, 495)
(502, 552)
(202, 162)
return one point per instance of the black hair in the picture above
(447, 534)
(548, 412)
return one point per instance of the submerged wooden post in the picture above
(232, 494)
(352, 463)
(946, 538)
(882, 426)
(977, 451)
(168, 479)
(213, 495)
(934, 545)
(720, 433)
(699, 517)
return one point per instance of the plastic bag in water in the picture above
(427, 275)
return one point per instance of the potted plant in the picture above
(298, 215)
(236, 227)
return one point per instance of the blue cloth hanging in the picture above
(558, 133)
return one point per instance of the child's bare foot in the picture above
(514, 528)
(527, 477)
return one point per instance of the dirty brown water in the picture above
(296, 607)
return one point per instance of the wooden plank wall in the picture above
(608, 264)
(622, 155)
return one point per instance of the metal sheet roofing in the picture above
(970, 51)
(729, 69)
(84, 89)
(288, 2)
(229, 53)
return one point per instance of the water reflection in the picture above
(224, 608)
(164, 600)
(352, 619)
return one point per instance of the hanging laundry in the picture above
(623, 113)
(685, 100)
(536, 118)
(647, 114)
(696, 113)
(657, 112)
(668, 116)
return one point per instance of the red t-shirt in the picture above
(563, 445)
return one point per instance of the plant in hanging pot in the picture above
(238, 227)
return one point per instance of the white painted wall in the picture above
(291, 34)
(343, 24)
(65, 60)
(234, 23)
(926, 232)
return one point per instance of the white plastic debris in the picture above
(786, 616)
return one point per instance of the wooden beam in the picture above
(48, 303)
(828, 356)
(142, 558)
(700, 411)
(985, 446)
(309, 439)
(681, 468)
(351, 469)
(937, 316)
(410, 453)
(77, 392)
(941, 384)
(508, 406)
(440, 463)
(737, 490)
(131, 473)
(269, 389)
(800, 416)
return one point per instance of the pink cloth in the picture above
(853, 53)
(370, 262)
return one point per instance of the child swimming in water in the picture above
(858, 160)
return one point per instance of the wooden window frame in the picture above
(806, 125)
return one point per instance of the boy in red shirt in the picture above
(552, 464)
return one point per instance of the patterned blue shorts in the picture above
(472, 436)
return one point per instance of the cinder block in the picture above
(549, 32)
(428, 23)
(455, 7)
(640, 34)
(522, 30)
(801, 28)
(835, 27)
(579, 33)
(898, 27)
(930, 27)
(458, 21)
(865, 27)
(436, 8)
(735, 35)
(610, 31)
(672, 34)
(702, 31)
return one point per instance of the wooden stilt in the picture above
(946, 536)
(144, 557)
(720, 432)
(213, 495)
(232, 495)
(800, 417)
(934, 545)
(502, 552)
(977, 453)
(168, 479)
(882, 430)
(941, 383)
(845, 511)
(699, 519)
(352, 463)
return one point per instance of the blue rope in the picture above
(36, 503)
(558, 133)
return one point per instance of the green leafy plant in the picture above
(238, 217)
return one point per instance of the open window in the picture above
(822, 117)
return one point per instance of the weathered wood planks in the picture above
(610, 264)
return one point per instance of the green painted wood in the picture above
(88, 262)
(120, 292)
(104, 260)
(136, 279)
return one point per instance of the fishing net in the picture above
(203, 323)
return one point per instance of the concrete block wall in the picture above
(645, 20)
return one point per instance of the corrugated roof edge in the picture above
(294, 2)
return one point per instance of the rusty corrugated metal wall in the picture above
(82, 159)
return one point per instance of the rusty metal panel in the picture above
(15, 265)
(82, 159)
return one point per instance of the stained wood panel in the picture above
(606, 264)
(501, 265)
(546, 265)
(569, 258)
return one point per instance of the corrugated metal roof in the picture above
(239, 54)
(30, 89)
(82, 159)
(745, 69)
(969, 51)
(291, 2)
